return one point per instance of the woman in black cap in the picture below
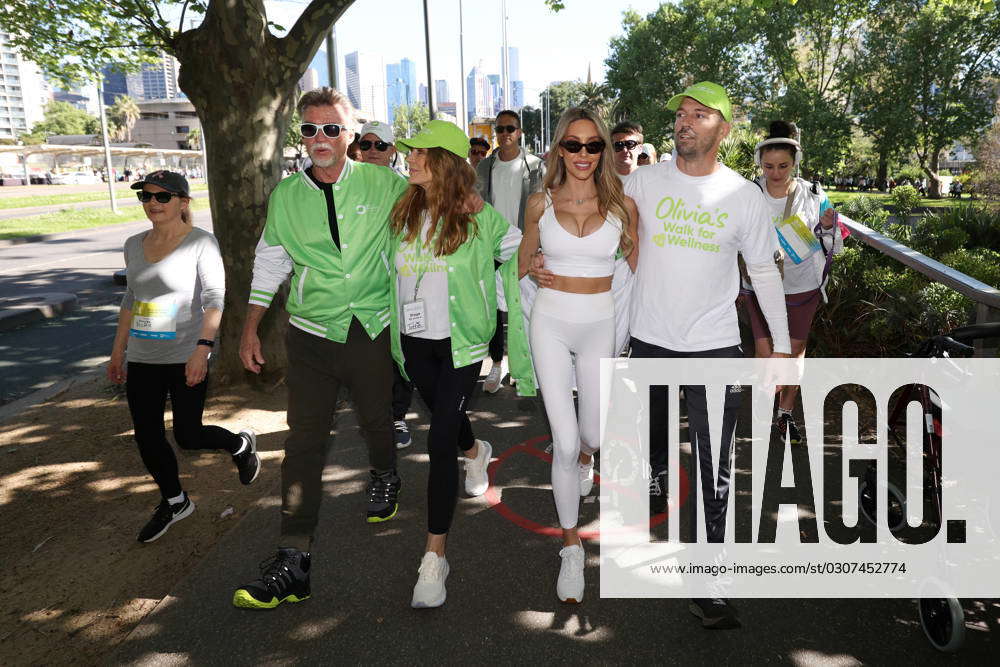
(166, 330)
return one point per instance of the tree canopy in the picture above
(62, 118)
(911, 75)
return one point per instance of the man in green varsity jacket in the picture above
(327, 228)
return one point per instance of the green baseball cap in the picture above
(438, 134)
(712, 95)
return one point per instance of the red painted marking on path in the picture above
(528, 447)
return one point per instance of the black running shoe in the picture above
(283, 578)
(787, 422)
(658, 493)
(383, 491)
(248, 462)
(165, 516)
(715, 613)
(402, 431)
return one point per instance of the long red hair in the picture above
(454, 181)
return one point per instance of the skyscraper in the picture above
(516, 97)
(366, 84)
(495, 94)
(401, 81)
(115, 84)
(477, 96)
(441, 93)
(24, 94)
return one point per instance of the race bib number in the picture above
(414, 317)
(154, 320)
(796, 239)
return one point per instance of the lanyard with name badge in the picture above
(414, 311)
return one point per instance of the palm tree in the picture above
(736, 151)
(123, 114)
(194, 139)
(596, 97)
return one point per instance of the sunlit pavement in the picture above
(501, 605)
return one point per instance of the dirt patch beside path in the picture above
(73, 496)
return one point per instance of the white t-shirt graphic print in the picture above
(690, 231)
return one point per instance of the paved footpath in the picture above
(501, 606)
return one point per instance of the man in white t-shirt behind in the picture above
(506, 178)
(695, 215)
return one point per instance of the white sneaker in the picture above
(586, 477)
(429, 591)
(569, 586)
(476, 479)
(492, 382)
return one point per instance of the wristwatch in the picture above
(206, 342)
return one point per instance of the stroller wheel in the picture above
(943, 621)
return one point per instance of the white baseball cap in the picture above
(381, 130)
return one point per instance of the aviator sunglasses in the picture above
(162, 197)
(332, 130)
(593, 147)
(630, 144)
(380, 146)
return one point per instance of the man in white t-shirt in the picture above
(695, 215)
(506, 178)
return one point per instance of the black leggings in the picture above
(147, 389)
(446, 392)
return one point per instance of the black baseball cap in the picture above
(170, 181)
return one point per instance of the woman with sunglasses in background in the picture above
(166, 331)
(445, 297)
(581, 221)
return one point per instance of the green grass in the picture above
(73, 197)
(837, 197)
(71, 219)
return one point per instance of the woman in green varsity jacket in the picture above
(444, 314)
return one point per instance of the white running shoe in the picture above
(430, 591)
(476, 478)
(492, 382)
(586, 477)
(569, 586)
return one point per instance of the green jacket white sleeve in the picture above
(472, 298)
(330, 285)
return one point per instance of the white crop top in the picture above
(590, 256)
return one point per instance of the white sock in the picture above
(176, 500)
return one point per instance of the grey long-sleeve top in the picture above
(168, 298)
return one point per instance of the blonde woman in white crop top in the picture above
(580, 221)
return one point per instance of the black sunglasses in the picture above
(622, 145)
(481, 152)
(331, 130)
(573, 146)
(507, 128)
(162, 197)
(380, 146)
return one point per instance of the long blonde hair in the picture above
(610, 194)
(453, 180)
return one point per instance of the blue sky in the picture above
(553, 47)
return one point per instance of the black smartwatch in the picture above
(206, 342)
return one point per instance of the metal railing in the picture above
(986, 298)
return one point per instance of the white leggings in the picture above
(566, 325)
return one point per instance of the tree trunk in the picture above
(882, 177)
(244, 112)
(933, 180)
